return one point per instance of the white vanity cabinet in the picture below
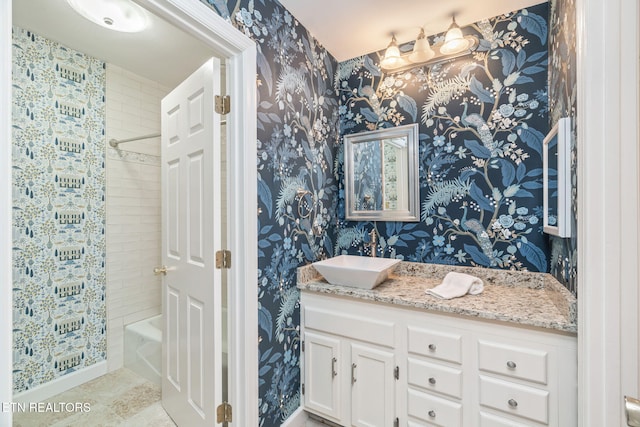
(348, 364)
(375, 364)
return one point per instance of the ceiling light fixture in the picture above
(118, 15)
(455, 45)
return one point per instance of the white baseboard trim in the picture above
(62, 384)
(297, 419)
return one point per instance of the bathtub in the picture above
(143, 348)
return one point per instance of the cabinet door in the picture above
(321, 375)
(373, 387)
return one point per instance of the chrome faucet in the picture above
(373, 242)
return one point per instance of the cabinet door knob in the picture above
(512, 403)
(432, 413)
(432, 381)
(511, 364)
(432, 347)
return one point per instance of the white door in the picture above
(191, 346)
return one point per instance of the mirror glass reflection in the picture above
(380, 174)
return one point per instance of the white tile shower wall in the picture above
(133, 205)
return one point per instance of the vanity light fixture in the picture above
(392, 55)
(455, 45)
(118, 15)
(454, 41)
(421, 49)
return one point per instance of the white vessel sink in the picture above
(356, 271)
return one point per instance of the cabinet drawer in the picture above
(516, 362)
(351, 325)
(435, 344)
(434, 377)
(490, 420)
(515, 399)
(434, 410)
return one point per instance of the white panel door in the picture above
(191, 348)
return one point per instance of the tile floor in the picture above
(121, 398)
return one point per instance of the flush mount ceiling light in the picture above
(117, 15)
(455, 45)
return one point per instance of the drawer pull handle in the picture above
(511, 364)
(512, 403)
(432, 413)
(432, 347)
(353, 373)
(333, 367)
(432, 381)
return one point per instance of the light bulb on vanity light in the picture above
(454, 41)
(392, 55)
(421, 49)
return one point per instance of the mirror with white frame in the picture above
(381, 175)
(556, 179)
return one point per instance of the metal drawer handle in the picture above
(432, 413)
(432, 381)
(512, 403)
(333, 367)
(432, 347)
(511, 364)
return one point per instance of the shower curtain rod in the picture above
(115, 142)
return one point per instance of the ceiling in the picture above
(348, 29)
(146, 53)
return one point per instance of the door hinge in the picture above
(223, 259)
(302, 346)
(224, 413)
(223, 104)
(396, 373)
(303, 388)
(396, 422)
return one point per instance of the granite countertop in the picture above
(524, 298)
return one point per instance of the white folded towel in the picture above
(456, 285)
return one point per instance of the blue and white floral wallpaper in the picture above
(58, 210)
(482, 120)
(297, 190)
(563, 101)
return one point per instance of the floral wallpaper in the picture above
(563, 101)
(297, 190)
(482, 120)
(59, 210)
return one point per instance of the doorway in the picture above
(239, 52)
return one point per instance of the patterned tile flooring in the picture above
(120, 398)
